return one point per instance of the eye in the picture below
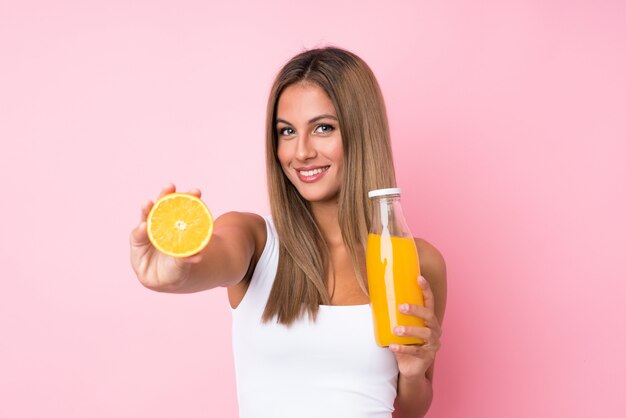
(324, 128)
(286, 131)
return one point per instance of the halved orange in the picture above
(179, 224)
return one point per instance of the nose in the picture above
(305, 149)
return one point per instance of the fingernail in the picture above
(403, 308)
(394, 347)
(399, 330)
(421, 279)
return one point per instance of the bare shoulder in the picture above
(240, 218)
(430, 257)
(433, 268)
(246, 224)
(248, 220)
(252, 226)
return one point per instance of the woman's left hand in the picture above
(414, 360)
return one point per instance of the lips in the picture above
(311, 174)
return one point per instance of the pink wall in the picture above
(509, 130)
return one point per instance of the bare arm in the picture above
(227, 257)
(414, 397)
(415, 390)
(223, 262)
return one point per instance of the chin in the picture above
(320, 197)
(306, 192)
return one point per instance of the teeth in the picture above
(313, 172)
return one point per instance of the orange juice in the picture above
(392, 271)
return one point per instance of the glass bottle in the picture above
(392, 268)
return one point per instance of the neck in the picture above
(327, 216)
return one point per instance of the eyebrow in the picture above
(315, 119)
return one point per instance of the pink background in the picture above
(509, 130)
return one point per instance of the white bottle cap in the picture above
(383, 192)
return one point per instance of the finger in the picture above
(417, 349)
(429, 298)
(167, 189)
(426, 334)
(413, 350)
(139, 236)
(195, 192)
(145, 210)
(428, 315)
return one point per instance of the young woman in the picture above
(297, 284)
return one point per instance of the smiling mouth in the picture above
(312, 176)
(311, 173)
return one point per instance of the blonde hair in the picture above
(301, 280)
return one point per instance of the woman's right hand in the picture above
(155, 270)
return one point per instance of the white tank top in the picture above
(330, 368)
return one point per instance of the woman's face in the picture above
(309, 142)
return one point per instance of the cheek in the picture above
(335, 152)
(339, 155)
(338, 158)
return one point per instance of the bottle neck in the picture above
(387, 217)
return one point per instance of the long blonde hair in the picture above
(301, 280)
